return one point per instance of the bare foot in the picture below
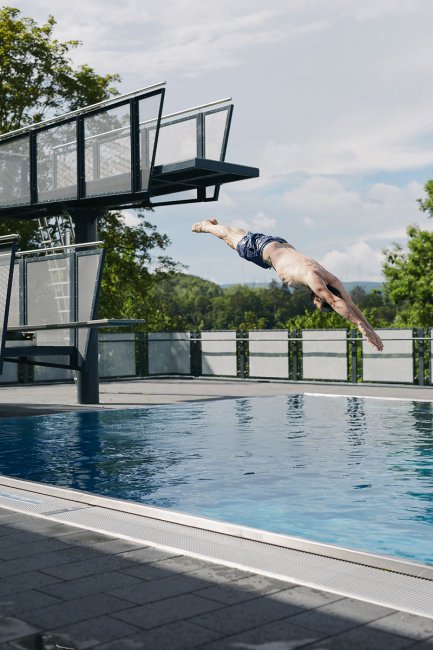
(202, 226)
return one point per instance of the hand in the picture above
(371, 336)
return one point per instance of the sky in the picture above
(333, 102)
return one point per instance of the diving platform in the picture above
(122, 153)
(118, 154)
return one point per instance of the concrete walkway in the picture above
(65, 587)
(18, 401)
(62, 587)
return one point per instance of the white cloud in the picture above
(356, 262)
(130, 217)
(319, 195)
(329, 198)
(260, 222)
(326, 94)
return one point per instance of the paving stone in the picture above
(81, 537)
(415, 627)
(10, 517)
(99, 583)
(15, 550)
(135, 642)
(243, 589)
(148, 554)
(24, 582)
(61, 530)
(148, 592)
(281, 635)
(4, 511)
(74, 570)
(49, 618)
(116, 546)
(178, 563)
(340, 616)
(308, 598)
(102, 629)
(23, 537)
(23, 601)
(33, 524)
(363, 638)
(219, 574)
(14, 628)
(46, 560)
(244, 616)
(166, 611)
(175, 636)
(164, 568)
(424, 645)
(51, 641)
(6, 530)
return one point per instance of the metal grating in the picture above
(348, 578)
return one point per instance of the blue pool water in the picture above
(342, 470)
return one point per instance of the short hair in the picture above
(325, 305)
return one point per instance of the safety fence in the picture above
(307, 355)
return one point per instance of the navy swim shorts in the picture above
(251, 247)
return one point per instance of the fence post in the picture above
(421, 370)
(142, 338)
(241, 335)
(353, 352)
(295, 354)
(195, 354)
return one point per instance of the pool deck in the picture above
(73, 585)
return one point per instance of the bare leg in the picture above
(231, 236)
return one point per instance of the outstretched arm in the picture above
(346, 308)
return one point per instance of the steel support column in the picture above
(86, 230)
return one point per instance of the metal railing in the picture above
(307, 355)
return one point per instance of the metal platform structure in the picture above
(119, 154)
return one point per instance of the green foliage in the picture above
(37, 81)
(426, 204)
(128, 286)
(186, 300)
(37, 78)
(409, 279)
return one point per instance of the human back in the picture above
(294, 268)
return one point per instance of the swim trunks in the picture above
(251, 247)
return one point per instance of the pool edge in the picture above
(377, 561)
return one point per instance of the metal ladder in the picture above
(58, 231)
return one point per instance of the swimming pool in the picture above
(354, 472)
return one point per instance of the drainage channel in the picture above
(404, 586)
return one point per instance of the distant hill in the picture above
(367, 286)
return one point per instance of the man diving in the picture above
(294, 269)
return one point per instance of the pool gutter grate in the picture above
(384, 581)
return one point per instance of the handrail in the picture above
(5, 238)
(196, 108)
(63, 247)
(101, 322)
(81, 111)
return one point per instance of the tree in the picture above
(126, 290)
(38, 81)
(409, 278)
(37, 77)
(409, 273)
